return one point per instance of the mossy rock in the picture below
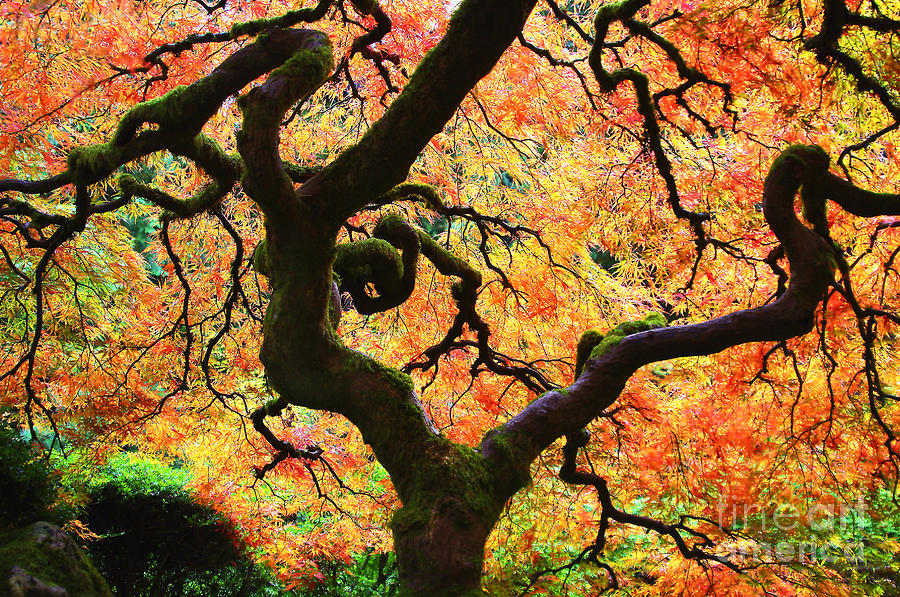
(41, 559)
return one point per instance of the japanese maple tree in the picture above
(504, 278)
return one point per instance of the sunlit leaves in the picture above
(128, 355)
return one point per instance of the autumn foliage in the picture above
(592, 178)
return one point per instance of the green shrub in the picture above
(26, 484)
(156, 539)
(372, 574)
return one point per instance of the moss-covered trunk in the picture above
(450, 504)
(452, 495)
(443, 555)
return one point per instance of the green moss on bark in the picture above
(653, 320)
(510, 445)
(305, 69)
(373, 260)
(274, 407)
(92, 163)
(808, 156)
(586, 344)
(456, 478)
(47, 554)
(261, 259)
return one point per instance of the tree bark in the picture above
(444, 557)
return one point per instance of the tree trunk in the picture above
(442, 556)
(451, 502)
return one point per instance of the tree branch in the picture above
(812, 261)
(478, 33)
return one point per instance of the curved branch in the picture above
(33, 187)
(178, 116)
(265, 179)
(825, 45)
(691, 543)
(812, 262)
(205, 152)
(175, 208)
(376, 261)
(861, 202)
(478, 33)
(624, 11)
(238, 30)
